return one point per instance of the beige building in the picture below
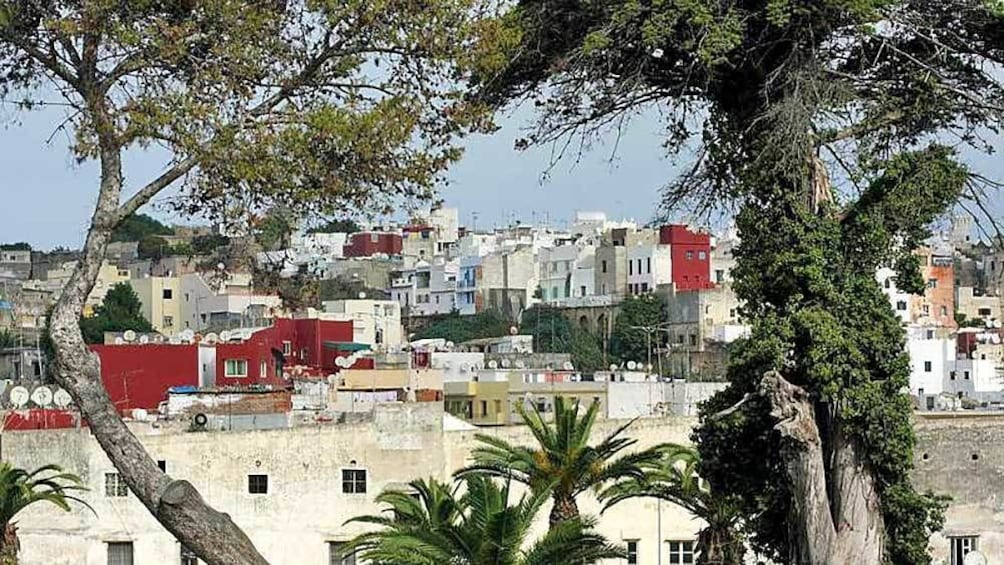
(161, 299)
(374, 322)
(292, 490)
(108, 276)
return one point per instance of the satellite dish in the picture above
(974, 558)
(224, 336)
(197, 338)
(520, 364)
(19, 396)
(186, 335)
(464, 368)
(340, 362)
(447, 364)
(649, 367)
(129, 335)
(175, 340)
(144, 339)
(139, 414)
(513, 330)
(41, 396)
(62, 398)
(211, 338)
(158, 338)
(567, 365)
(493, 364)
(119, 341)
(613, 367)
(505, 363)
(450, 344)
(631, 365)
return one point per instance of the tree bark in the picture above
(846, 528)
(565, 508)
(9, 545)
(176, 504)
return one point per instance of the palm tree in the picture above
(20, 489)
(436, 525)
(562, 458)
(673, 477)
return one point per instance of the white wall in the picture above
(939, 353)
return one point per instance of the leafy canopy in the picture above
(137, 227)
(121, 310)
(436, 524)
(458, 329)
(553, 333)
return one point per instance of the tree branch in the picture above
(155, 186)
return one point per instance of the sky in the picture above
(47, 197)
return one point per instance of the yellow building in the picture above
(108, 276)
(161, 300)
(480, 403)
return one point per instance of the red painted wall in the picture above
(138, 376)
(689, 270)
(362, 244)
(306, 338)
(41, 419)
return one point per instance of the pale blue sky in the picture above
(47, 196)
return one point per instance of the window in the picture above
(630, 267)
(887, 283)
(287, 348)
(901, 306)
(188, 557)
(484, 408)
(354, 481)
(639, 266)
(932, 283)
(690, 255)
(927, 309)
(719, 276)
(632, 552)
(927, 366)
(984, 312)
(236, 368)
(732, 312)
(693, 339)
(603, 266)
(962, 546)
(336, 557)
(263, 370)
(644, 287)
(168, 321)
(186, 297)
(965, 375)
(944, 310)
(648, 265)
(930, 334)
(120, 553)
(702, 255)
(167, 293)
(681, 552)
(583, 290)
(115, 485)
(162, 465)
(258, 484)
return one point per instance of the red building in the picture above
(139, 376)
(366, 244)
(690, 253)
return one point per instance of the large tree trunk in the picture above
(836, 521)
(176, 504)
(719, 545)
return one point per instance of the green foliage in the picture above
(779, 90)
(336, 226)
(7, 338)
(153, 247)
(437, 524)
(563, 459)
(639, 326)
(206, 244)
(348, 289)
(18, 246)
(120, 311)
(456, 328)
(553, 333)
(20, 489)
(672, 476)
(136, 227)
(273, 232)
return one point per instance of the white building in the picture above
(428, 289)
(292, 490)
(230, 302)
(648, 266)
(374, 322)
